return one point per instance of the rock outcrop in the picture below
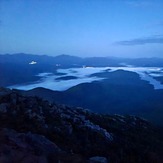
(35, 130)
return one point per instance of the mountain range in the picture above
(121, 92)
(16, 68)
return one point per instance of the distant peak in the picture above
(66, 56)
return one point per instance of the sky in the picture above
(85, 28)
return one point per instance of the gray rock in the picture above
(13, 97)
(25, 147)
(4, 91)
(3, 108)
(98, 159)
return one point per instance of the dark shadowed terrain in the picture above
(35, 130)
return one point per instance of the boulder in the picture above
(98, 159)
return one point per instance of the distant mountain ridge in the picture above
(16, 68)
(68, 60)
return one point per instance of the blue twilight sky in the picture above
(124, 28)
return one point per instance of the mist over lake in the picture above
(67, 78)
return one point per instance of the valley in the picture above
(128, 90)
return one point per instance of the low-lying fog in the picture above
(66, 78)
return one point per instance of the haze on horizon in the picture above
(120, 28)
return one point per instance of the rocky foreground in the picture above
(33, 130)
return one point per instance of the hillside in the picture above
(36, 130)
(121, 92)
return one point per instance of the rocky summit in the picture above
(35, 130)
